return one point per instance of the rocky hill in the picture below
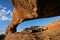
(49, 32)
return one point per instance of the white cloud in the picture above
(10, 19)
(4, 8)
(9, 11)
(11, 14)
(1, 6)
(5, 14)
(2, 12)
(1, 31)
(5, 18)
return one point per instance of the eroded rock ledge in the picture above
(49, 32)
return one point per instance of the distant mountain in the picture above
(49, 32)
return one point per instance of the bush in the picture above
(2, 37)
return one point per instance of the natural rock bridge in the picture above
(32, 9)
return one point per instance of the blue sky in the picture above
(6, 9)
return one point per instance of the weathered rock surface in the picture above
(49, 32)
(32, 9)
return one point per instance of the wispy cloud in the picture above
(8, 12)
(4, 18)
(4, 8)
(1, 31)
(1, 6)
(4, 13)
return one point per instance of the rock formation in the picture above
(34, 29)
(31, 9)
(49, 32)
